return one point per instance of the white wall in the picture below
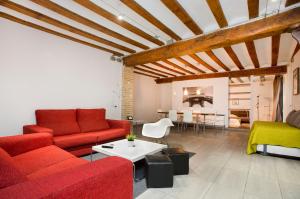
(41, 71)
(220, 95)
(265, 92)
(295, 98)
(146, 98)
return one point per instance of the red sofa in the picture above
(77, 130)
(32, 167)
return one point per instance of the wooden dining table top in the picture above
(194, 113)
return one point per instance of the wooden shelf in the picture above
(238, 85)
(248, 92)
(237, 109)
(239, 98)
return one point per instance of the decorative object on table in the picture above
(159, 171)
(296, 81)
(130, 138)
(158, 130)
(198, 96)
(180, 159)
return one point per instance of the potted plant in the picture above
(130, 138)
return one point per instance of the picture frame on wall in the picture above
(296, 81)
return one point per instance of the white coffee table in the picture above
(121, 149)
(134, 154)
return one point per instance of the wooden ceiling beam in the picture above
(203, 63)
(133, 5)
(253, 8)
(188, 64)
(275, 49)
(37, 27)
(230, 74)
(75, 17)
(217, 11)
(261, 28)
(136, 72)
(291, 2)
(252, 52)
(177, 66)
(54, 22)
(160, 71)
(104, 13)
(175, 7)
(234, 57)
(149, 71)
(167, 68)
(217, 60)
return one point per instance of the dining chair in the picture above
(209, 120)
(188, 119)
(174, 117)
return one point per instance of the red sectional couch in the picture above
(77, 130)
(32, 167)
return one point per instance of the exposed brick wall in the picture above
(127, 91)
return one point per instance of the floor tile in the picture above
(219, 191)
(261, 187)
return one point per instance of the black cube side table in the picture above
(180, 159)
(159, 171)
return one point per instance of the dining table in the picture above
(197, 114)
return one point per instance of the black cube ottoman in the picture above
(159, 171)
(180, 159)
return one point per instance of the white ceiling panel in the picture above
(269, 7)
(243, 55)
(68, 21)
(160, 11)
(195, 63)
(204, 18)
(286, 48)
(264, 51)
(175, 61)
(46, 25)
(117, 8)
(236, 12)
(104, 22)
(164, 64)
(209, 61)
(224, 57)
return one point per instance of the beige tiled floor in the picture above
(221, 169)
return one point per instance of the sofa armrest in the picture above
(18, 144)
(124, 124)
(27, 129)
(108, 178)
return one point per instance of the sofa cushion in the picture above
(68, 141)
(291, 116)
(9, 174)
(59, 167)
(62, 122)
(91, 120)
(110, 134)
(35, 160)
(294, 120)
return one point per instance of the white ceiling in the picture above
(236, 12)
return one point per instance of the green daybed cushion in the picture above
(273, 133)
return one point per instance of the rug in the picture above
(139, 186)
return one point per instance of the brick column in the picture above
(127, 91)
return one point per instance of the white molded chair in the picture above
(174, 117)
(188, 119)
(157, 130)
